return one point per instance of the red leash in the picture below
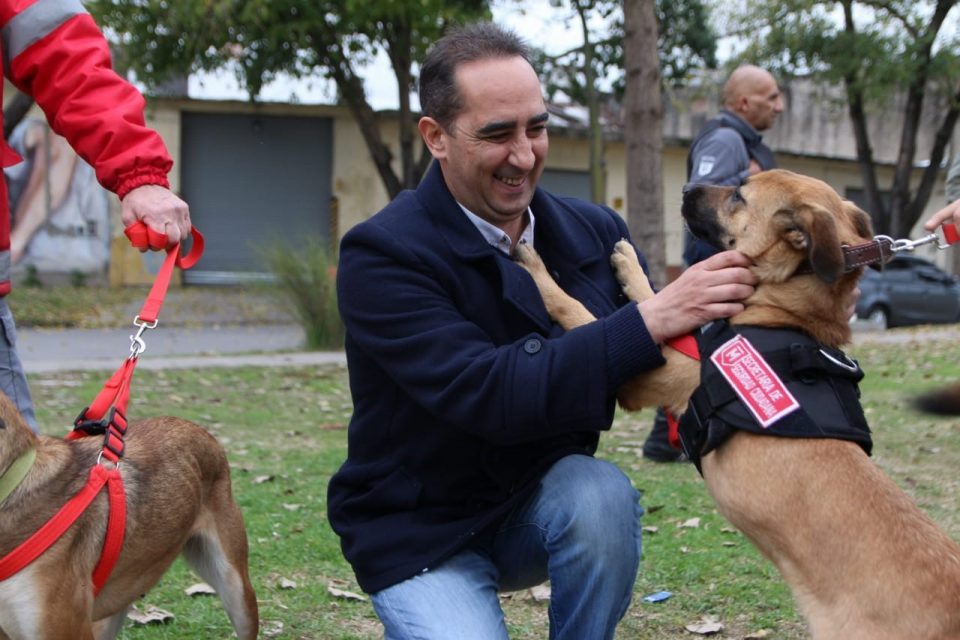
(115, 394)
(107, 415)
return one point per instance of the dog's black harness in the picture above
(823, 380)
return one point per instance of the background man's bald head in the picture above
(752, 93)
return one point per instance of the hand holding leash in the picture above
(947, 218)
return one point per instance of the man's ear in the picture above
(433, 136)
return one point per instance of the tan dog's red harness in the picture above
(107, 416)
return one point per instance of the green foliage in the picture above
(260, 39)
(881, 49)
(31, 278)
(686, 43)
(306, 280)
(877, 51)
(78, 279)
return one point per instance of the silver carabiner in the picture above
(137, 344)
(910, 245)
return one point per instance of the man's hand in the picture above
(712, 289)
(949, 214)
(159, 209)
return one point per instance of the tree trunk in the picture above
(598, 169)
(644, 135)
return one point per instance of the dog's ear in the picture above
(813, 230)
(860, 219)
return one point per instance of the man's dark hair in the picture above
(439, 97)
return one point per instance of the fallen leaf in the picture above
(286, 583)
(262, 479)
(541, 592)
(292, 507)
(201, 589)
(152, 615)
(692, 523)
(346, 595)
(758, 635)
(705, 627)
(271, 628)
(651, 529)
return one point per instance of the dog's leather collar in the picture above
(876, 252)
(15, 473)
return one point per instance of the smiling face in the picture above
(492, 154)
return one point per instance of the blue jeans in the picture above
(580, 529)
(13, 380)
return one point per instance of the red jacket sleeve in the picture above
(69, 73)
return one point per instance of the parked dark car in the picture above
(909, 290)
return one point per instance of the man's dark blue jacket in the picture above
(464, 391)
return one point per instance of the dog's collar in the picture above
(876, 252)
(15, 473)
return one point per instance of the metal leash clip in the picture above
(137, 344)
(950, 237)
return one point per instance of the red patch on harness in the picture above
(757, 385)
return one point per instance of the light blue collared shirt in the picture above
(497, 237)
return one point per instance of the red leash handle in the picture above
(950, 233)
(143, 237)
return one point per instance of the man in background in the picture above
(728, 149)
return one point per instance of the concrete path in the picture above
(45, 350)
(215, 345)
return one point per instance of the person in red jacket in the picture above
(53, 51)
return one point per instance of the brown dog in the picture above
(862, 561)
(944, 401)
(179, 500)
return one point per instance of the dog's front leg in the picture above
(629, 273)
(566, 311)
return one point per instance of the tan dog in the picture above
(862, 561)
(179, 499)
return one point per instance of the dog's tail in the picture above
(944, 401)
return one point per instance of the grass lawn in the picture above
(285, 433)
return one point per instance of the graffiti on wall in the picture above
(60, 215)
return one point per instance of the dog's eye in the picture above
(736, 196)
